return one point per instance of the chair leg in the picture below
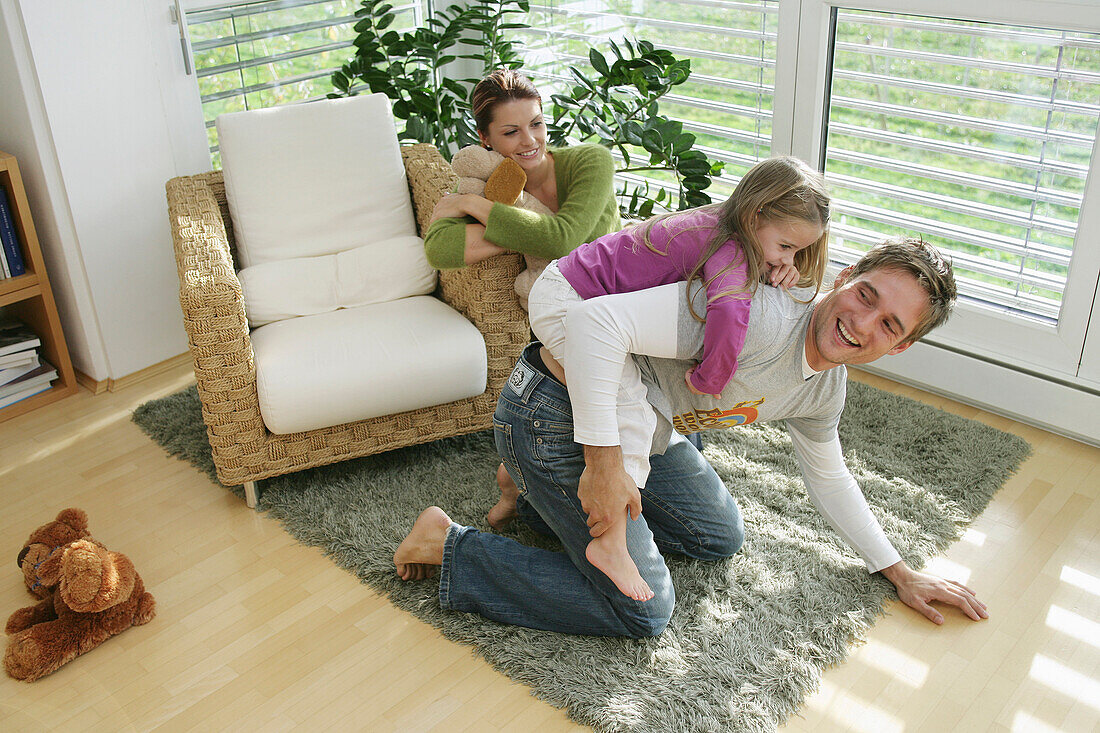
(250, 494)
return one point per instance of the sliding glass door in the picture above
(979, 136)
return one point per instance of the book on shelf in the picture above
(22, 395)
(10, 374)
(35, 381)
(13, 253)
(4, 271)
(18, 359)
(16, 336)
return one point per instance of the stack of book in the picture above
(22, 372)
(11, 254)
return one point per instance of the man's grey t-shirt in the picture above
(769, 382)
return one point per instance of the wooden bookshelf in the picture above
(29, 298)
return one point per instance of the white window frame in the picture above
(1044, 374)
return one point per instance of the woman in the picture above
(576, 183)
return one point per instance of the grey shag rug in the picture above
(750, 636)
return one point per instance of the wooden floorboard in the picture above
(257, 632)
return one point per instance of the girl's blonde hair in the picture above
(780, 190)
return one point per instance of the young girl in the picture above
(773, 227)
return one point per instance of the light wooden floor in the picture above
(258, 632)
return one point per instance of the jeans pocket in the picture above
(553, 441)
(502, 435)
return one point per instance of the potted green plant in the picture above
(615, 103)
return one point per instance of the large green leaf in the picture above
(693, 167)
(599, 63)
(682, 143)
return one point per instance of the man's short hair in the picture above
(924, 262)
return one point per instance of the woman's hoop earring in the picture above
(487, 147)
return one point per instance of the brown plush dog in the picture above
(89, 595)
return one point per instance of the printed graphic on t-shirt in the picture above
(742, 413)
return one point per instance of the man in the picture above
(791, 369)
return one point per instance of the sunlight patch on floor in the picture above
(1024, 723)
(1075, 625)
(894, 662)
(1084, 581)
(852, 713)
(948, 569)
(81, 431)
(82, 428)
(974, 537)
(1065, 680)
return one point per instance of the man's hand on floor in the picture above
(917, 590)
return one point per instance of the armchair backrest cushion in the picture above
(379, 272)
(314, 179)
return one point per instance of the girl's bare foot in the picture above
(612, 559)
(421, 551)
(504, 511)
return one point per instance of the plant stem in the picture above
(637, 110)
(577, 116)
(494, 37)
(439, 134)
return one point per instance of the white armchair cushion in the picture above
(314, 179)
(358, 363)
(374, 273)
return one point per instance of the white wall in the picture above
(24, 134)
(114, 104)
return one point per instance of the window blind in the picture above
(977, 136)
(264, 54)
(727, 101)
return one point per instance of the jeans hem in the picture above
(454, 533)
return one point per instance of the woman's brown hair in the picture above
(503, 85)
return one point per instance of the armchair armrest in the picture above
(213, 315)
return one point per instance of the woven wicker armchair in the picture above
(218, 335)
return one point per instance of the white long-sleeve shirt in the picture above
(773, 382)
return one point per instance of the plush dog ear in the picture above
(506, 183)
(75, 518)
(93, 578)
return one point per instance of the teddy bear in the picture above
(89, 594)
(488, 173)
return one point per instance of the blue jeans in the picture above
(686, 509)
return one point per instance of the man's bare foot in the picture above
(504, 511)
(421, 551)
(612, 559)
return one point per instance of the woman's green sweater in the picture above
(586, 210)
